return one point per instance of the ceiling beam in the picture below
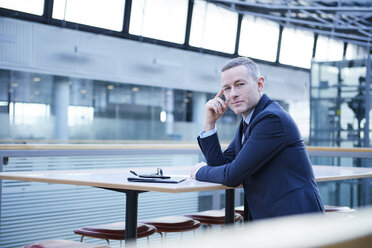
(282, 7)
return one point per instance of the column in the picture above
(61, 103)
(168, 108)
(198, 99)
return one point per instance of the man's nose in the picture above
(233, 92)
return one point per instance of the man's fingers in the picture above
(221, 102)
(195, 169)
(218, 105)
(216, 109)
(219, 94)
(219, 99)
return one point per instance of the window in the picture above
(213, 27)
(355, 52)
(329, 49)
(159, 19)
(259, 38)
(103, 14)
(28, 113)
(296, 47)
(35, 7)
(80, 115)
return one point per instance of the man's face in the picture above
(242, 93)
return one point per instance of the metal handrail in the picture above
(35, 150)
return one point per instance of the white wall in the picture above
(28, 46)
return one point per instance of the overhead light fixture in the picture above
(135, 89)
(37, 79)
(164, 62)
(14, 85)
(83, 91)
(110, 87)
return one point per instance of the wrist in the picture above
(209, 126)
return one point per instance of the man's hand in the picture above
(214, 109)
(195, 169)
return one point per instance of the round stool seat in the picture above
(63, 244)
(212, 217)
(173, 223)
(114, 231)
(341, 212)
(240, 210)
(327, 208)
(342, 209)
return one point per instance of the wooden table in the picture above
(116, 179)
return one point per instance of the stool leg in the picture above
(121, 242)
(181, 235)
(161, 239)
(148, 241)
(108, 242)
(82, 237)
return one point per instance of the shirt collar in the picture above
(248, 119)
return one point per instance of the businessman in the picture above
(267, 154)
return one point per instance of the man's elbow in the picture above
(232, 181)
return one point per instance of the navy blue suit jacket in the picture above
(272, 164)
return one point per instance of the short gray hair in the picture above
(251, 66)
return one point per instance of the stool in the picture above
(327, 208)
(63, 244)
(340, 209)
(240, 210)
(115, 231)
(212, 217)
(342, 212)
(173, 224)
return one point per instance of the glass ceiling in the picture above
(217, 25)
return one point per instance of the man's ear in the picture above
(261, 83)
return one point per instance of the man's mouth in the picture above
(237, 103)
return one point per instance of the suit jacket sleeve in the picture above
(266, 140)
(213, 154)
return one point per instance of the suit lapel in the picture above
(261, 105)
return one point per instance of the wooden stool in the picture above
(173, 224)
(240, 210)
(63, 244)
(115, 231)
(342, 212)
(340, 209)
(327, 208)
(212, 217)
